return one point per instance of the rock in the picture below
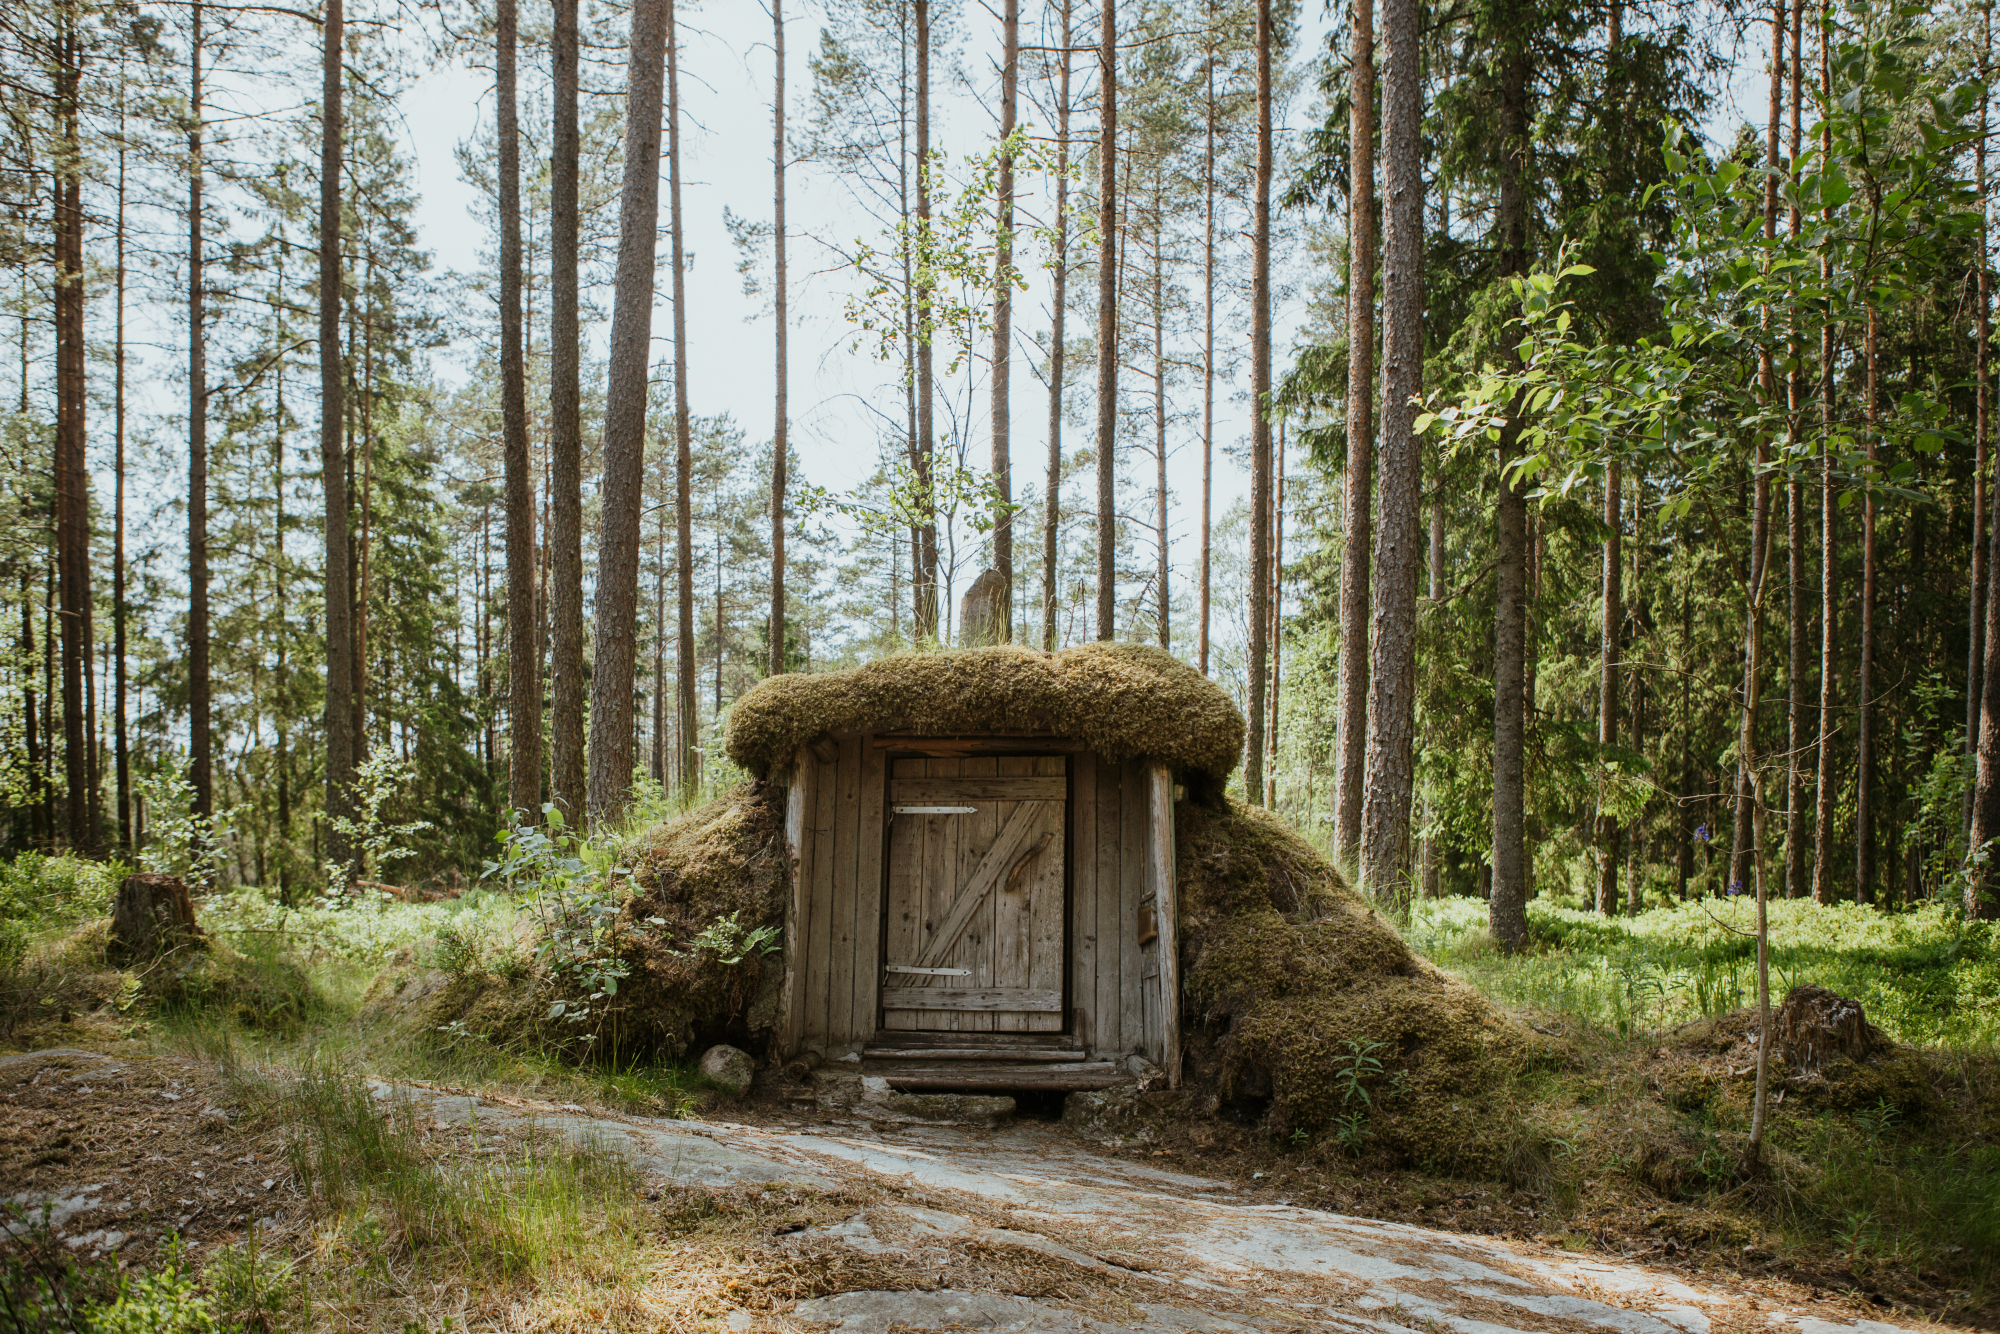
(1104, 1114)
(1815, 1026)
(982, 612)
(728, 1069)
(151, 915)
(870, 1096)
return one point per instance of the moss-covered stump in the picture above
(715, 874)
(1305, 1010)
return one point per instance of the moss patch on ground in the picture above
(1125, 700)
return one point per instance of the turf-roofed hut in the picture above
(982, 859)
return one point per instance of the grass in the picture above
(1924, 977)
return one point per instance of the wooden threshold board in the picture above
(909, 1039)
(888, 1052)
(998, 1076)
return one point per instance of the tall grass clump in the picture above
(390, 1191)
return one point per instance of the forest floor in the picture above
(768, 1217)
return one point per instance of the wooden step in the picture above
(929, 1053)
(989, 1039)
(991, 1076)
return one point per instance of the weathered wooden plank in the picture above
(974, 948)
(979, 1000)
(1001, 743)
(1012, 903)
(1132, 889)
(1160, 832)
(1022, 839)
(842, 1029)
(1020, 786)
(1047, 918)
(820, 915)
(793, 998)
(1083, 901)
(973, 1076)
(1112, 927)
(988, 1052)
(868, 903)
(942, 835)
(987, 1042)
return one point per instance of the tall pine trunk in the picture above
(1003, 317)
(121, 754)
(1162, 570)
(1829, 570)
(1864, 667)
(622, 490)
(1207, 338)
(1357, 505)
(524, 696)
(567, 782)
(1980, 901)
(1392, 670)
(72, 472)
(686, 766)
(340, 757)
(1058, 299)
(780, 408)
(1260, 421)
(200, 757)
(1608, 838)
(1797, 650)
(1107, 322)
(924, 574)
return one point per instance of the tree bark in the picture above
(1798, 651)
(622, 490)
(1385, 806)
(1163, 570)
(1864, 670)
(687, 767)
(924, 574)
(781, 410)
(1059, 298)
(121, 755)
(200, 759)
(1260, 422)
(1608, 839)
(1980, 901)
(567, 780)
(1107, 323)
(1822, 873)
(1003, 316)
(1507, 913)
(524, 703)
(340, 739)
(72, 472)
(1357, 492)
(1207, 338)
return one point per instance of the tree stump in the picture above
(982, 612)
(1815, 1026)
(151, 915)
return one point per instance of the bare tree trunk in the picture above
(1607, 689)
(1357, 507)
(1059, 297)
(1635, 686)
(924, 574)
(1798, 651)
(1822, 874)
(1277, 618)
(524, 711)
(72, 473)
(200, 761)
(1003, 317)
(781, 411)
(1260, 421)
(661, 769)
(622, 490)
(1980, 902)
(1107, 323)
(340, 758)
(1207, 335)
(1864, 673)
(567, 781)
(121, 755)
(1385, 806)
(689, 773)
(1507, 913)
(1163, 568)
(1432, 860)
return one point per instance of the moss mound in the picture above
(1125, 700)
(708, 881)
(1305, 1009)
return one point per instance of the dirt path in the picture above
(1113, 1244)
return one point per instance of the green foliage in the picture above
(380, 779)
(575, 892)
(165, 1301)
(178, 840)
(731, 942)
(1924, 976)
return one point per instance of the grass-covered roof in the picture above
(1124, 700)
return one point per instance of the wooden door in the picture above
(974, 914)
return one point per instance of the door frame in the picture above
(998, 748)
